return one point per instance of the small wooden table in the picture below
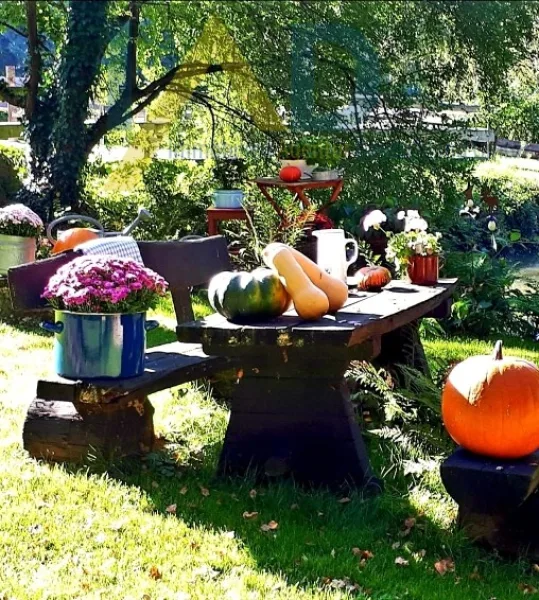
(298, 189)
(216, 215)
(291, 410)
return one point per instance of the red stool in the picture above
(215, 215)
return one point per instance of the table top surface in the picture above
(302, 183)
(364, 315)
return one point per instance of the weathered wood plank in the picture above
(166, 366)
(67, 432)
(363, 317)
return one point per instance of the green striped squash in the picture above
(243, 297)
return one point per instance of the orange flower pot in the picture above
(423, 270)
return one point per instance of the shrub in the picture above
(18, 159)
(9, 180)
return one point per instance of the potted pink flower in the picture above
(100, 323)
(19, 228)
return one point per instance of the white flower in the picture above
(412, 214)
(401, 215)
(374, 219)
(492, 225)
(469, 204)
(416, 224)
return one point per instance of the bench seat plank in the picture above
(166, 366)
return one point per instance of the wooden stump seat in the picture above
(72, 420)
(495, 509)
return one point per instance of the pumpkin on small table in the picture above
(372, 279)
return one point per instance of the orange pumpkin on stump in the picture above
(490, 405)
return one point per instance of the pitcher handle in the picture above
(355, 254)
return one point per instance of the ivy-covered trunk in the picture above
(57, 126)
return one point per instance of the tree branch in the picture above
(35, 58)
(17, 31)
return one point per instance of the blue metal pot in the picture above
(97, 346)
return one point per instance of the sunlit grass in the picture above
(164, 528)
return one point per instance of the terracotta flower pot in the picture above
(423, 270)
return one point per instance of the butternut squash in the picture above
(310, 302)
(335, 289)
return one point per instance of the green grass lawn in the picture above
(163, 528)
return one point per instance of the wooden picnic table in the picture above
(291, 410)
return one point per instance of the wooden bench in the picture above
(68, 420)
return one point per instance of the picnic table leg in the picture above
(292, 415)
(403, 347)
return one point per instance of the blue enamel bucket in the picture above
(99, 346)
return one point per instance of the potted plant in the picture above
(229, 173)
(100, 321)
(415, 250)
(306, 153)
(19, 228)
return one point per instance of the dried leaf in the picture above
(171, 509)
(155, 485)
(446, 565)
(366, 554)
(204, 491)
(332, 553)
(395, 545)
(535, 568)
(402, 562)
(345, 500)
(409, 523)
(155, 573)
(184, 490)
(526, 588)
(250, 515)
(294, 506)
(356, 551)
(253, 494)
(474, 575)
(271, 526)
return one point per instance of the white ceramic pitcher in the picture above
(331, 252)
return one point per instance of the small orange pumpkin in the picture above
(373, 279)
(70, 238)
(490, 405)
(290, 174)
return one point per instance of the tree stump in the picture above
(74, 432)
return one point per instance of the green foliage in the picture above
(229, 173)
(9, 180)
(18, 159)
(175, 192)
(488, 301)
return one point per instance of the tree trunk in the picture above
(86, 44)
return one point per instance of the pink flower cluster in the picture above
(104, 284)
(17, 219)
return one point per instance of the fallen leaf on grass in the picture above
(363, 554)
(345, 500)
(271, 526)
(535, 568)
(155, 485)
(332, 553)
(526, 588)
(171, 509)
(409, 523)
(446, 565)
(401, 562)
(184, 490)
(474, 575)
(155, 573)
(204, 491)
(294, 506)
(252, 494)
(250, 515)
(395, 545)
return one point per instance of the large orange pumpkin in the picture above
(490, 405)
(70, 238)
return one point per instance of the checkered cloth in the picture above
(119, 246)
